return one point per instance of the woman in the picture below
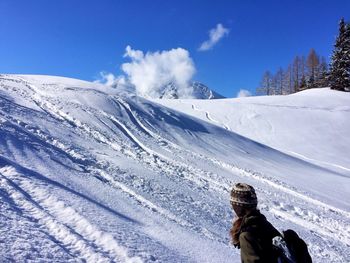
(251, 232)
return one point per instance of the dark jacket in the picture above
(255, 239)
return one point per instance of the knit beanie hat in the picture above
(243, 195)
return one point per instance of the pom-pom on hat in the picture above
(243, 195)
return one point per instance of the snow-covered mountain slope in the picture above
(87, 173)
(312, 125)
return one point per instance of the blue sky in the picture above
(82, 38)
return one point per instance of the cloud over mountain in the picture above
(150, 71)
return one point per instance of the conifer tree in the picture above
(339, 75)
(323, 74)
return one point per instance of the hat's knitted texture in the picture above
(243, 195)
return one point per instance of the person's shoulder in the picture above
(257, 224)
(254, 218)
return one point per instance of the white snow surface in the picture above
(90, 174)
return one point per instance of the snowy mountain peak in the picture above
(201, 91)
(196, 90)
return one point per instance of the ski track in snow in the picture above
(318, 161)
(62, 221)
(157, 160)
(211, 119)
(87, 242)
(302, 107)
(271, 128)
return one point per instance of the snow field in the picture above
(146, 178)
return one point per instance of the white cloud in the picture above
(244, 93)
(215, 35)
(133, 54)
(106, 78)
(110, 79)
(151, 71)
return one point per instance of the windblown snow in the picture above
(91, 174)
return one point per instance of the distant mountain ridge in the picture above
(196, 90)
(201, 91)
